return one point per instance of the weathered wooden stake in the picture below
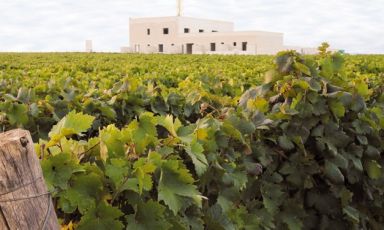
(24, 200)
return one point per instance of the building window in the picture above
(201, 31)
(161, 48)
(165, 31)
(244, 46)
(214, 31)
(222, 43)
(148, 31)
(186, 30)
(172, 44)
(148, 45)
(234, 44)
(213, 46)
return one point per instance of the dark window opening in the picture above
(234, 44)
(222, 43)
(214, 31)
(213, 46)
(161, 48)
(201, 31)
(148, 45)
(148, 31)
(165, 31)
(244, 46)
(186, 30)
(172, 44)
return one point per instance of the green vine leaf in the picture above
(143, 170)
(84, 193)
(141, 133)
(58, 170)
(195, 152)
(102, 217)
(373, 169)
(149, 215)
(176, 187)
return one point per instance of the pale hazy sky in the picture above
(356, 26)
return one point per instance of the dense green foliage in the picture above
(39, 89)
(204, 142)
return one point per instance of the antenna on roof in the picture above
(179, 7)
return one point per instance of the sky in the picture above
(356, 26)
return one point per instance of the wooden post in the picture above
(24, 200)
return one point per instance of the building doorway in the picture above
(244, 46)
(213, 47)
(189, 48)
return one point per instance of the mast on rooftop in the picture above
(179, 7)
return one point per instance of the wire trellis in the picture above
(48, 194)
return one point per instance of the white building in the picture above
(186, 35)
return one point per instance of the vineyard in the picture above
(204, 142)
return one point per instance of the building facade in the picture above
(185, 35)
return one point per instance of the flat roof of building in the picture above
(175, 18)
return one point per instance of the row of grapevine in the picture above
(204, 150)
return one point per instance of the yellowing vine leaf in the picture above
(168, 123)
(72, 123)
